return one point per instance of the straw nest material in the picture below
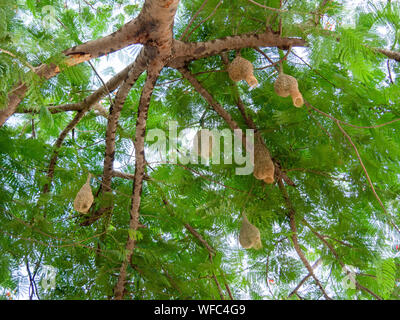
(249, 236)
(242, 69)
(84, 198)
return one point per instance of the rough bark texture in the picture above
(185, 52)
(14, 99)
(136, 70)
(140, 164)
(57, 145)
(153, 26)
(115, 111)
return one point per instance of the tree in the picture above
(328, 222)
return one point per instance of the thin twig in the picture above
(268, 58)
(314, 266)
(332, 249)
(273, 64)
(192, 19)
(366, 174)
(294, 237)
(317, 72)
(101, 80)
(15, 57)
(204, 20)
(389, 71)
(349, 124)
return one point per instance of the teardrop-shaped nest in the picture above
(249, 236)
(264, 168)
(285, 85)
(101, 110)
(84, 198)
(203, 143)
(242, 69)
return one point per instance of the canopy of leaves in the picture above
(346, 177)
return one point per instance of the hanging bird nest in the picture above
(242, 69)
(203, 143)
(264, 168)
(249, 236)
(84, 198)
(285, 86)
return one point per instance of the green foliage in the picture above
(340, 73)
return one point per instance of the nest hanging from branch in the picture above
(242, 69)
(249, 236)
(285, 86)
(264, 168)
(84, 198)
(203, 143)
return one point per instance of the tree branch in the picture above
(212, 102)
(199, 237)
(330, 247)
(57, 145)
(394, 55)
(152, 26)
(192, 20)
(367, 176)
(265, 7)
(314, 266)
(140, 162)
(136, 70)
(186, 52)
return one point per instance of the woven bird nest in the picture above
(285, 86)
(203, 143)
(242, 69)
(249, 236)
(264, 168)
(84, 198)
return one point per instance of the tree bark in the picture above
(140, 163)
(153, 27)
(136, 70)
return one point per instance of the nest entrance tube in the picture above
(84, 198)
(242, 69)
(249, 236)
